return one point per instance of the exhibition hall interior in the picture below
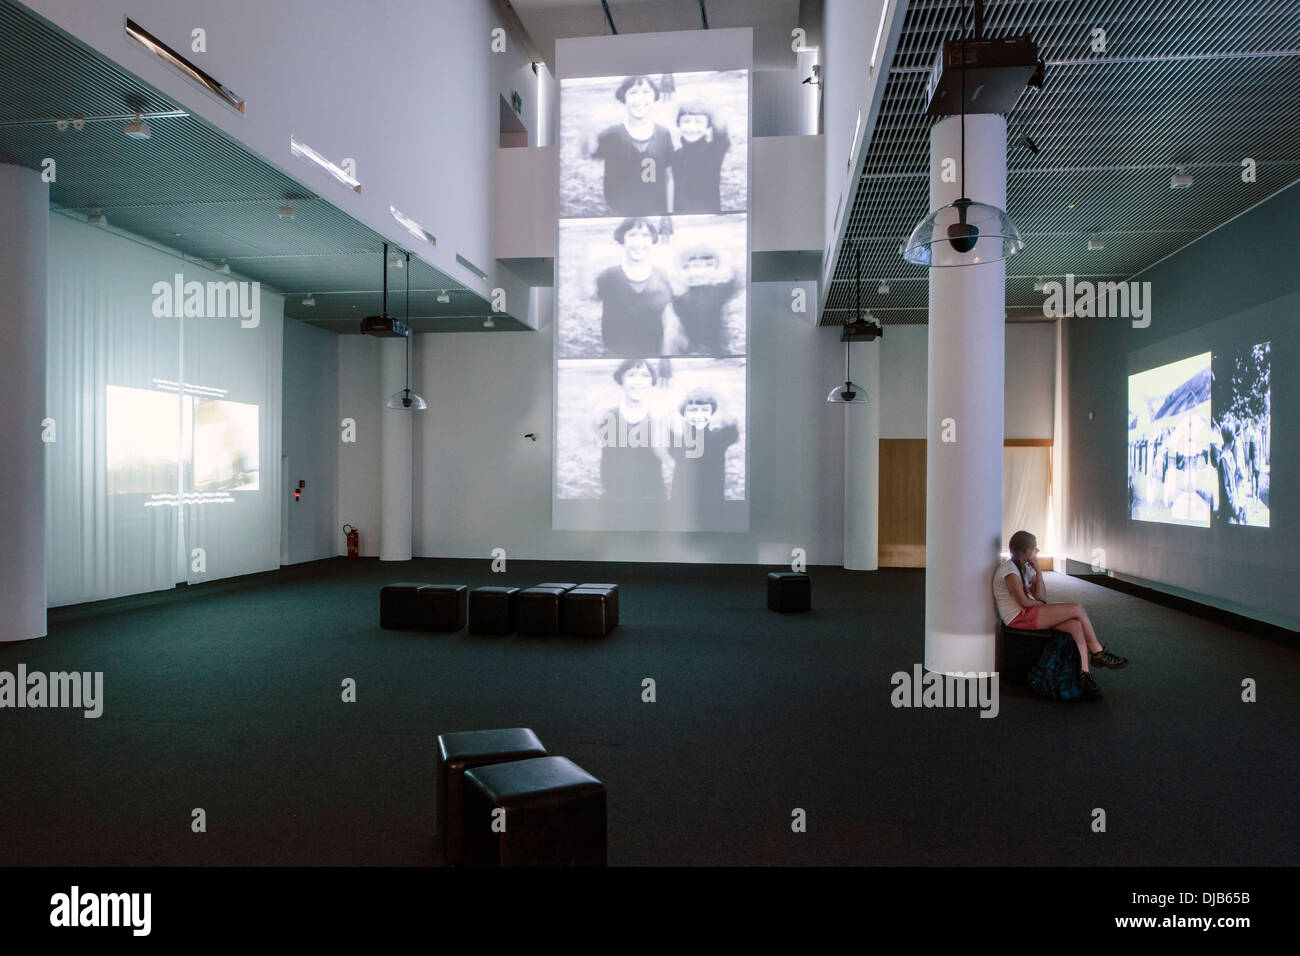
(649, 433)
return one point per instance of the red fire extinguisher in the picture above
(354, 541)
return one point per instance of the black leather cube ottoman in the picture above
(590, 611)
(444, 606)
(540, 609)
(554, 815)
(492, 610)
(400, 607)
(1019, 650)
(789, 591)
(613, 604)
(464, 751)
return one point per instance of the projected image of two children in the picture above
(651, 275)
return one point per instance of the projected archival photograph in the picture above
(652, 286)
(1171, 475)
(653, 438)
(225, 446)
(654, 144)
(143, 442)
(1241, 435)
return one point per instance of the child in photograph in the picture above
(709, 287)
(631, 437)
(700, 439)
(697, 165)
(626, 146)
(635, 296)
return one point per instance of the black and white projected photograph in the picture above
(1241, 434)
(1171, 475)
(667, 435)
(652, 286)
(654, 144)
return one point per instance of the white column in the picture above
(862, 463)
(963, 501)
(24, 240)
(394, 456)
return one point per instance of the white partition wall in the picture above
(166, 395)
(24, 211)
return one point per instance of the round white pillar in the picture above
(963, 501)
(862, 463)
(394, 456)
(25, 212)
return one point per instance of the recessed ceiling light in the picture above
(285, 211)
(342, 175)
(413, 227)
(310, 300)
(1095, 242)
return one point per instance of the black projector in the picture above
(860, 331)
(997, 72)
(384, 326)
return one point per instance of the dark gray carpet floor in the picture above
(226, 696)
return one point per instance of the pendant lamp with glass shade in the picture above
(856, 330)
(404, 398)
(964, 232)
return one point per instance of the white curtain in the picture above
(1026, 491)
(123, 456)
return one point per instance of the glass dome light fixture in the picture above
(964, 232)
(406, 398)
(856, 330)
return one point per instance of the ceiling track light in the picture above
(285, 211)
(97, 218)
(443, 297)
(338, 172)
(223, 267)
(138, 128)
(1095, 243)
(488, 323)
(309, 300)
(1181, 179)
(1040, 283)
(883, 288)
(193, 72)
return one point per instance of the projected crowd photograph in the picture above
(651, 145)
(651, 286)
(1171, 477)
(1241, 435)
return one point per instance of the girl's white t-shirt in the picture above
(1008, 608)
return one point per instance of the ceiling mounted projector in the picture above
(1181, 179)
(997, 72)
(138, 129)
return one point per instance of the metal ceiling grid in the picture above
(1199, 83)
(192, 189)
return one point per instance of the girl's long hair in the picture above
(1021, 542)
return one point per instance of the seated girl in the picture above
(1021, 596)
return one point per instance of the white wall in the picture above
(409, 89)
(1030, 359)
(358, 390)
(479, 484)
(311, 441)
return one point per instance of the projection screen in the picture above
(651, 403)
